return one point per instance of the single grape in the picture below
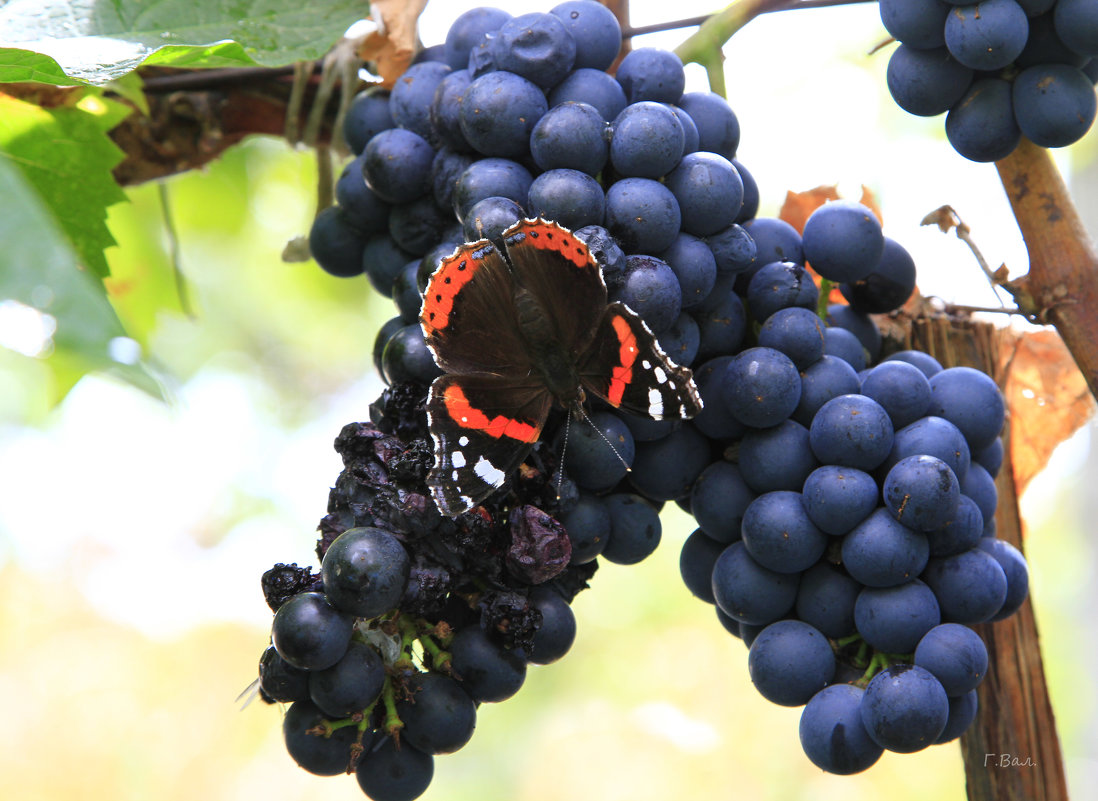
(789, 662)
(832, 733)
(904, 708)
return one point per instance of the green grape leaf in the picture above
(66, 155)
(40, 270)
(94, 41)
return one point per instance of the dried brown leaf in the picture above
(393, 45)
(1047, 396)
(798, 206)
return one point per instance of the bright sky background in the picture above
(231, 487)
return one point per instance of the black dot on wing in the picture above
(438, 297)
(462, 265)
(446, 280)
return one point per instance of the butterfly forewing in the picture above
(626, 367)
(468, 314)
(559, 271)
(483, 426)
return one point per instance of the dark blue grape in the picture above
(336, 242)
(365, 570)
(699, 554)
(681, 341)
(635, 529)
(980, 487)
(718, 128)
(489, 218)
(779, 535)
(481, 58)
(921, 492)
(446, 168)
(1044, 46)
(825, 379)
(734, 250)
(749, 592)
(446, 110)
(557, 631)
(413, 95)
(789, 662)
(851, 430)
(397, 165)
(361, 205)
(901, 389)
(665, 469)
(689, 131)
(776, 458)
(970, 586)
(711, 378)
(838, 498)
(570, 197)
(310, 633)
(498, 113)
(924, 361)
(646, 140)
(367, 116)
(468, 30)
(1076, 22)
(599, 451)
(433, 258)
(825, 599)
(406, 357)
(418, 226)
(780, 285)
(844, 345)
(916, 23)
(593, 87)
(435, 52)
(643, 215)
(894, 619)
(798, 333)
(722, 324)
(1015, 569)
(383, 260)
(709, 192)
(904, 708)
(595, 29)
(981, 126)
(991, 457)
(775, 240)
(988, 35)
(879, 552)
(603, 248)
(384, 334)
(570, 135)
(439, 717)
(832, 734)
(888, 286)
(648, 73)
(1054, 104)
(731, 625)
(750, 205)
(962, 711)
(490, 177)
(406, 293)
(280, 681)
(762, 387)
(487, 671)
(843, 241)
(932, 436)
(926, 82)
(351, 684)
(536, 46)
(650, 288)
(588, 527)
(386, 772)
(320, 755)
(693, 264)
(956, 656)
(963, 531)
(718, 500)
(971, 401)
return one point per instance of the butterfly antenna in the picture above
(248, 694)
(563, 451)
(580, 411)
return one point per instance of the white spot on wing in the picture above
(655, 403)
(488, 472)
(463, 440)
(457, 459)
(647, 365)
(661, 376)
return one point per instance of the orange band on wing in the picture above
(546, 235)
(467, 416)
(627, 354)
(438, 299)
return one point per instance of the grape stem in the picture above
(947, 218)
(824, 299)
(393, 724)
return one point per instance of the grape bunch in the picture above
(998, 69)
(415, 620)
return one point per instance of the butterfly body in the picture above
(517, 327)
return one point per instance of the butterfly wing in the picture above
(468, 314)
(558, 269)
(626, 368)
(482, 426)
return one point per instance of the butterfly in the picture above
(520, 325)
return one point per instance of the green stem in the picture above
(845, 641)
(393, 724)
(440, 659)
(825, 297)
(706, 42)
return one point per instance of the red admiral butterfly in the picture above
(516, 326)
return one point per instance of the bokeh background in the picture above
(133, 533)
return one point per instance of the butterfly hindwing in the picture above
(468, 313)
(558, 269)
(483, 426)
(626, 367)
